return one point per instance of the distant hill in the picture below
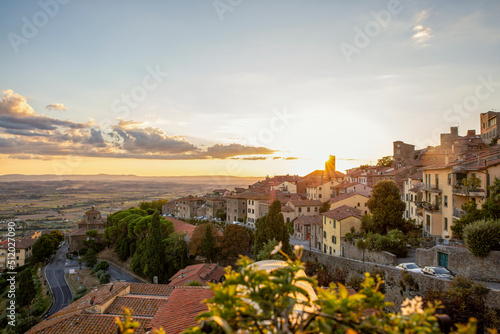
(200, 179)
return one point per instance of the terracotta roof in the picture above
(308, 220)
(93, 210)
(306, 202)
(342, 213)
(190, 198)
(89, 324)
(149, 289)
(21, 243)
(181, 309)
(202, 273)
(325, 174)
(347, 185)
(182, 227)
(140, 306)
(286, 208)
(345, 196)
(169, 204)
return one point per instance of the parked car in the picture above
(440, 272)
(409, 266)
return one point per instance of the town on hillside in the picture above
(423, 220)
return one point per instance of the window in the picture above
(449, 179)
(359, 204)
(428, 217)
(308, 209)
(324, 246)
(300, 209)
(320, 195)
(316, 209)
(446, 224)
(445, 201)
(334, 239)
(437, 180)
(334, 223)
(324, 234)
(243, 210)
(330, 250)
(411, 210)
(287, 219)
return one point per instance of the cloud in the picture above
(24, 134)
(12, 104)
(219, 151)
(56, 106)
(421, 33)
(292, 158)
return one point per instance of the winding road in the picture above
(54, 271)
(58, 266)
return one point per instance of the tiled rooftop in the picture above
(342, 213)
(139, 305)
(183, 305)
(202, 273)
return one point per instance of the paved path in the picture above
(120, 275)
(54, 271)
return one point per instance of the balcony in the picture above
(466, 191)
(430, 188)
(458, 213)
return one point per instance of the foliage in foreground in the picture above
(254, 301)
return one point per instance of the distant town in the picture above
(425, 221)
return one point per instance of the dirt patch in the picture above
(82, 278)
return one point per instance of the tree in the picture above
(196, 242)
(266, 252)
(324, 207)
(465, 299)
(154, 250)
(386, 206)
(208, 244)
(27, 289)
(221, 214)
(482, 236)
(235, 241)
(103, 265)
(272, 226)
(175, 253)
(154, 205)
(472, 214)
(90, 258)
(44, 247)
(193, 283)
(385, 161)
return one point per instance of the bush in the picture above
(103, 265)
(193, 283)
(482, 236)
(104, 278)
(79, 293)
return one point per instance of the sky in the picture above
(237, 87)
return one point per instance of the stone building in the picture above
(93, 221)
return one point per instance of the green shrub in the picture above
(104, 278)
(482, 236)
(193, 283)
(79, 293)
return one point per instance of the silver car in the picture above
(409, 266)
(440, 272)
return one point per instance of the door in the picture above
(443, 260)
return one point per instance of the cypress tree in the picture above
(27, 290)
(208, 243)
(155, 250)
(272, 226)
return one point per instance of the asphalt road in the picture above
(118, 275)
(54, 271)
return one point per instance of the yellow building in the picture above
(321, 190)
(353, 199)
(336, 223)
(22, 251)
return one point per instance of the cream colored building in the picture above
(336, 223)
(321, 190)
(305, 207)
(354, 200)
(22, 253)
(285, 187)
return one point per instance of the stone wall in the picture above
(398, 287)
(462, 262)
(353, 252)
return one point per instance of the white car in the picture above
(409, 266)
